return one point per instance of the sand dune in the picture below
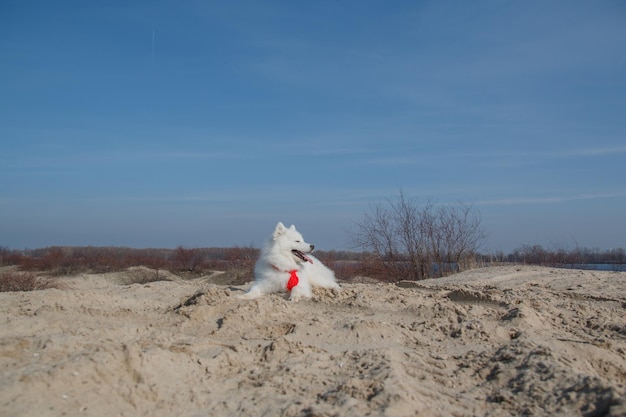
(501, 341)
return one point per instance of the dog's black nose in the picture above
(312, 247)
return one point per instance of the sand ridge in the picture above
(500, 341)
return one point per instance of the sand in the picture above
(499, 341)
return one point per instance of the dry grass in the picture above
(12, 280)
(144, 275)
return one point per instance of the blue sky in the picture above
(203, 123)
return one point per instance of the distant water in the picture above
(596, 267)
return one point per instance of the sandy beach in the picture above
(498, 341)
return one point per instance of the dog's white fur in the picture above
(272, 269)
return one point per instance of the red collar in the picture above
(293, 277)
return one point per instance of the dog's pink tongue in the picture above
(301, 255)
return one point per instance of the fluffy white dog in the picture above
(285, 265)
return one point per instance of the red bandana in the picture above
(293, 279)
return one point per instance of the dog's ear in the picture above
(292, 227)
(280, 229)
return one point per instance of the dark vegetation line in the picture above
(33, 269)
(400, 238)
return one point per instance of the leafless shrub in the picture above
(10, 257)
(412, 241)
(241, 258)
(142, 275)
(23, 281)
(185, 259)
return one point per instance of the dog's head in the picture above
(290, 240)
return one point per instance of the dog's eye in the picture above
(297, 241)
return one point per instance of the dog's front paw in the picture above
(298, 294)
(250, 295)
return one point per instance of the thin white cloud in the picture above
(520, 200)
(494, 158)
(51, 164)
(327, 151)
(188, 155)
(550, 200)
(596, 151)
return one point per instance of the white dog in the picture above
(286, 266)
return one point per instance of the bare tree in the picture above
(413, 241)
(393, 234)
(463, 234)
